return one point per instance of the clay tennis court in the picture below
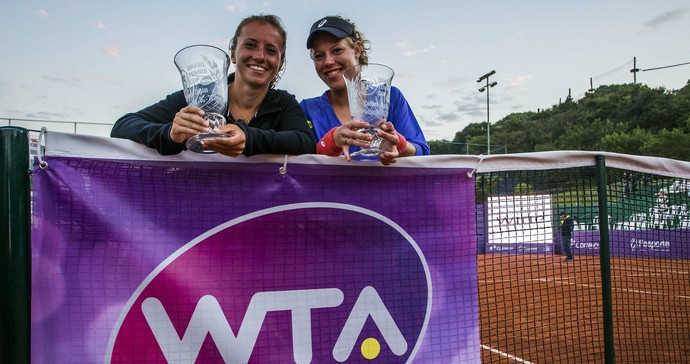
(539, 309)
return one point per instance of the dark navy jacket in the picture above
(279, 126)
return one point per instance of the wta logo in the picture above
(302, 283)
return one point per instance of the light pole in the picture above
(488, 122)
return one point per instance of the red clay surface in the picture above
(540, 309)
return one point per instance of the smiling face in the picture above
(258, 54)
(332, 56)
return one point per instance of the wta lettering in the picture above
(208, 318)
(505, 219)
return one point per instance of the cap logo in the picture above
(322, 23)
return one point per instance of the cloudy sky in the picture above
(93, 61)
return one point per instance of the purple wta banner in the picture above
(205, 262)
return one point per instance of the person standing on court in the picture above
(260, 118)
(566, 228)
(335, 44)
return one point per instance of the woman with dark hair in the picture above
(260, 118)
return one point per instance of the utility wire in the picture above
(658, 68)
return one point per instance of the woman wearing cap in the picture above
(261, 119)
(336, 44)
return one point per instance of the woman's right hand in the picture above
(346, 135)
(188, 122)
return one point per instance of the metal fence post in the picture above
(15, 246)
(605, 260)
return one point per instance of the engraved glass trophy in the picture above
(204, 71)
(369, 94)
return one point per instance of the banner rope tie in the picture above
(41, 163)
(471, 173)
(283, 169)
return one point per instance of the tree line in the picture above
(625, 118)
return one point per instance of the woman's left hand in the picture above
(389, 143)
(231, 146)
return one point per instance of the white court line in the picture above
(547, 280)
(643, 275)
(612, 288)
(648, 269)
(519, 360)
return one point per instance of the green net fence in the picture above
(538, 307)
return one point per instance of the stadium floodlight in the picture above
(486, 76)
(488, 122)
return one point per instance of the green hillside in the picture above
(628, 118)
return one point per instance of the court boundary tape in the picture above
(509, 356)
(562, 281)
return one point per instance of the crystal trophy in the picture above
(369, 93)
(204, 71)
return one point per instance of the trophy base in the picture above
(367, 152)
(374, 146)
(195, 143)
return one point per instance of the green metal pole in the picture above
(605, 260)
(15, 246)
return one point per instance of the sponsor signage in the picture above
(519, 224)
(230, 262)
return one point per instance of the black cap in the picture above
(340, 28)
(562, 213)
